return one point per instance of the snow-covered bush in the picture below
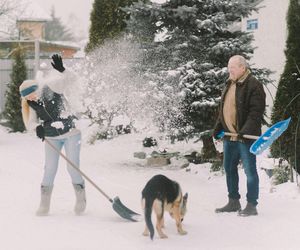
(116, 86)
(281, 174)
(216, 166)
(149, 142)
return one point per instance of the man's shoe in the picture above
(233, 205)
(249, 210)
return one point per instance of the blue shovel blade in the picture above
(267, 138)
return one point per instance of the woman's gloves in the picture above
(40, 132)
(57, 63)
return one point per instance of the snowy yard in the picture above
(110, 164)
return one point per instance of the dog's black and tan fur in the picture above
(162, 194)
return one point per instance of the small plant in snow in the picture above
(281, 174)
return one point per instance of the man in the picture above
(241, 112)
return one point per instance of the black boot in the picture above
(233, 205)
(249, 210)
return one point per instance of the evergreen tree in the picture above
(287, 100)
(55, 30)
(108, 20)
(12, 111)
(198, 41)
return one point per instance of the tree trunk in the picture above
(209, 150)
(291, 169)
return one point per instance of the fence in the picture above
(6, 70)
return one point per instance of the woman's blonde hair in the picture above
(25, 111)
(26, 85)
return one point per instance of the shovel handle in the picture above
(77, 169)
(254, 137)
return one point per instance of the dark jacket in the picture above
(250, 106)
(49, 109)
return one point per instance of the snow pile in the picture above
(111, 165)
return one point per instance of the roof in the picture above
(7, 47)
(42, 43)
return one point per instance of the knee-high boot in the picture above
(80, 198)
(46, 192)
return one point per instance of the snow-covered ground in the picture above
(111, 165)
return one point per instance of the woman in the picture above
(45, 102)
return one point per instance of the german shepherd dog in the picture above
(160, 194)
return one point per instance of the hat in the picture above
(27, 87)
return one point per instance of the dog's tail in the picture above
(148, 212)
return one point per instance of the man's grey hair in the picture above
(242, 61)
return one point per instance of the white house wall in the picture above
(270, 38)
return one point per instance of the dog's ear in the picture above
(185, 196)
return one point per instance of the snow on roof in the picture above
(33, 12)
(65, 43)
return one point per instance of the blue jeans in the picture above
(72, 149)
(233, 152)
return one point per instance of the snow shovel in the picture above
(266, 139)
(117, 205)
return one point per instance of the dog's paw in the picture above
(146, 233)
(182, 232)
(163, 236)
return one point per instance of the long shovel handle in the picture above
(77, 169)
(254, 137)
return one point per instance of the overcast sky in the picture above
(64, 8)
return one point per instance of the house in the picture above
(269, 29)
(31, 33)
(30, 26)
(31, 37)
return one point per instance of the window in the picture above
(252, 24)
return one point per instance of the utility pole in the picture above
(36, 56)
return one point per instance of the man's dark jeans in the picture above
(233, 152)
